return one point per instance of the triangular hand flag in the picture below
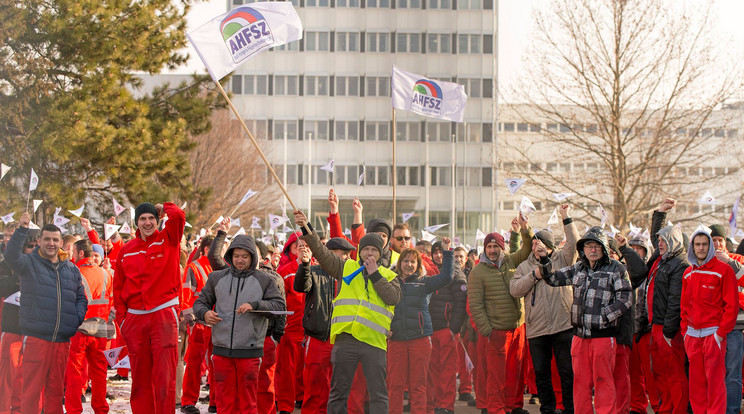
(109, 230)
(77, 212)
(34, 182)
(562, 196)
(603, 214)
(613, 231)
(276, 221)
(360, 180)
(707, 198)
(554, 218)
(250, 193)
(219, 220)
(740, 233)
(526, 206)
(57, 211)
(14, 299)
(3, 170)
(513, 184)
(669, 223)
(347, 232)
(37, 203)
(703, 228)
(328, 167)
(406, 216)
(634, 231)
(8, 218)
(646, 234)
(286, 229)
(112, 355)
(479, 235)
(425, 235)
(185, 224)
(183, 206)
(456, 241)
(118, 208)
(33, 226)
(254, 223)
(124, 363)
(60, 220)
(202, 232)
(131, 213)
(125, 228)
(234, 222)
(506, 235)
(434, 228)
(240, 232)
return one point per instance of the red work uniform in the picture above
(89, 343)
(147, 288)
(200, 335)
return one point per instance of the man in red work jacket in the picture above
(200, 335)
(147, 288)
(89, 343)
(709, 306)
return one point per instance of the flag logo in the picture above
(427, 97)
(245, 32)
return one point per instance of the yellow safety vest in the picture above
(359, 311)
(394, 258)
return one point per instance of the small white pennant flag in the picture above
(3, 170)
(254, 223)
(361, 177)
(219, 220)
(707, 198)
(669, 223)
(250, 193)
(8, 218)
(286, 229)
(406, 216)
(603, 214)
(740, 233)
(57, 211)
(124, 363)
(456, 241)
(506, 235)
(513, 184)
(118, 208)
(562, 196)
(183, 206)
(240, 232)
(131, 213)
(434, 228)
(479, 235)
(202, 232)
(425, 235)
(14, 299)
(526, 206)
(347, 232)
(554, 218)
(37, 203)
(109, 230)
(703, 228)
(77, 212)
(60, 221)
(112, 355)
(328, 167)
(33, 226)
(125, 228)
(34, 182)
(234, 222)
(646, 234)
(634, 231)
(613, 231)
(185, 224)
(276, 221)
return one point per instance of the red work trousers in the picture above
(505, 365)
(318, 372)
(707, 374)
(668, 365)
(481, 373)
(621, 375)
(358, 394)
(84, 348)
(266, 397)
(642, 384)
(11, 356)
(594, 365)
(152, 341)
(289, 358)
(529, 372)
(43, 370)
(408, 367)
(442, 387)
(200, 341)
(236, 380)
(466, 383)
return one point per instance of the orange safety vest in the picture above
(193, 285)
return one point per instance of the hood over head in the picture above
(672, 236)
(382, 225)
(641, 242)
(691, 252)
(595, 234)
(244, 242)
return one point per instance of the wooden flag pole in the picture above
(258, 148)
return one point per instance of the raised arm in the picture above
(331, 263)
(18, 261)
(524, 252)
(568, 252)
(175, 224)
(215, 250)
(446, 272)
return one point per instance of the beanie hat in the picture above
(339, 243)
(717, 230)
(98, 249)
(145, 208)
(436, 246)
(371, 239)
(547, 238)
(494, 237)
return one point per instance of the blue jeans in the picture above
(734, 355)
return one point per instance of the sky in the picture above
(515, 19)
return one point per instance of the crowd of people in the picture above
(328, 323)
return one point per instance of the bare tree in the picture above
(226, 162)
(634, 91)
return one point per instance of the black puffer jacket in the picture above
(637, 272)
(320, 289)
(412, 319)
(447, 307)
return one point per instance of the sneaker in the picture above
(204, 400)
(190, 409)
(298, 404)
(118, 377)
(82, 398)
(484, 410)
(110, 396)
(212, 409)
(466, 397)
(534, 399)
(519, 411)
(471, 403)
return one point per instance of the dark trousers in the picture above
(347, 354)
(542, 350)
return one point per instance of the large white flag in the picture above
(428, 97)
(228, 40)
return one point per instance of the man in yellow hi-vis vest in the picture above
(362, 312)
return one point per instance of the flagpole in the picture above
(258, 149)
(395, 173)
(28, 198)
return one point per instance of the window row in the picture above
(414, 176)
(387, 4)
(592, 129)
(340, 130)
(337, 85)
(392, 42)
(566, 167)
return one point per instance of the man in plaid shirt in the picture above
(601, 294)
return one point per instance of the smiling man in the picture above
(147, 286)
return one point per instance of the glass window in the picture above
(318, 129)
(352, 174)
(408, 4)
(378, 86)
(317, 41)
(347, 131)
(413, 175)
(347, 86)
(408, 131)
(378, 3)
(439, 4)
(439, 43)
(383, 175)
(469, 43)
(408, 43)
(347, 3)
(378, 42)
(376, 131)
(237, 85)
(291, 45)
(286, 85)
(285, 129)
(316, 85)
(292, 174)
(255, 84)
(347, 41)
(317, 3)
(320, 176)
(470, 4)
(473, 89)
(439, 131)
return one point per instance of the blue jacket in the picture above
(53, 302)
(412, 319)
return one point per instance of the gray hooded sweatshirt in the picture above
(239, 335)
